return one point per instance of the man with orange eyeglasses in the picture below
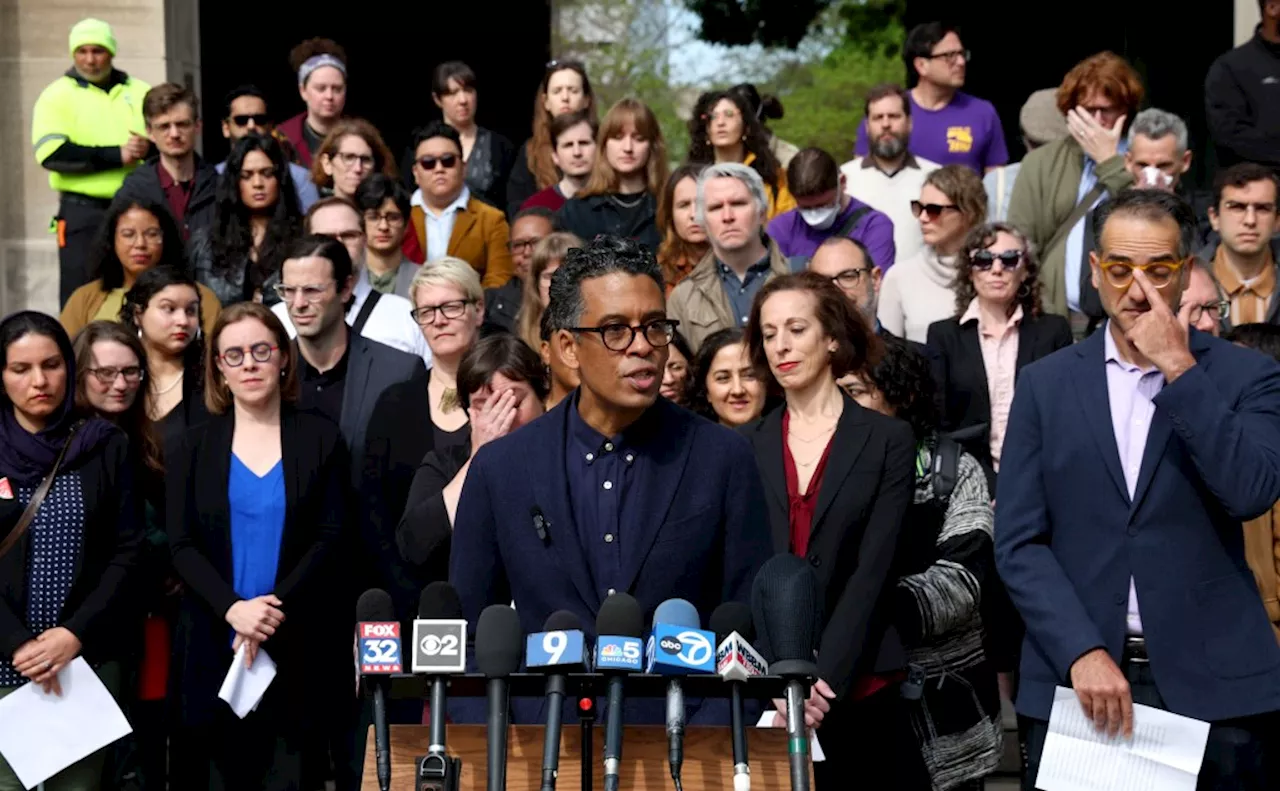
(1130, 460)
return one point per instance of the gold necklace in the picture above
(808, 440)
(449, 401)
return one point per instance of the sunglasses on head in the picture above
(557, 65)
(259, 119)
(931, 210)
(447, 162)
(984, 260)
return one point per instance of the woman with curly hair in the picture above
(684, 241)
(998, 328)
(351, 151)
(945, 560)
(725, 129)
(256, 220)
(136, 235)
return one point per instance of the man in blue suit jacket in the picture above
(1129, 463)
(636, 494)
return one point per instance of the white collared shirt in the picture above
(390, 322)
(439, 227)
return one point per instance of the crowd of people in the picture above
(1022, 419)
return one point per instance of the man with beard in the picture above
(889, 177)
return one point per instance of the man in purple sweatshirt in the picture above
(824, 210)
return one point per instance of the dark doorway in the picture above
(1019, 48)
(392, 48)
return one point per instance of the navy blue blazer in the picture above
(705, 529)
(1068, 538)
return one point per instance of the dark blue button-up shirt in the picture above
(600, 472)
(742, 291)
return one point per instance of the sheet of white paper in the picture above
(243, 687)
(42, 734)
(815, 749)
(1164, 755)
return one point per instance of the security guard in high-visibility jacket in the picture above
(88, 133)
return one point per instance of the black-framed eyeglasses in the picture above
(448, 162)
(1010, 260)
(260, 352)
(258, 119)
(348, 159)
(1217, 310)
(619, 337)
(107, 374)
(392, 217)
(520, 245)
(932, 210)
(950, 56)
(849, 277)
(454, 309)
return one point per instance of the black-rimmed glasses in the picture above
(1217, 311)
(260, 352)
(849, 277)
(453, 309)
(619, 337)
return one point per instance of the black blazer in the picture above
(101, 595)
(962, 376)
(867, 486)
(316, 480)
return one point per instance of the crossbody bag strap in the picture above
(29, 514)
(1077, 214)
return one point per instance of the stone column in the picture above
(1248, 16)
(157, 39)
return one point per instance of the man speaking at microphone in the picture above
(616, 489)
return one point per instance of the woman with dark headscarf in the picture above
(64, 569)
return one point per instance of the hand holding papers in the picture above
(1164, 754)
(244, 687)
(41, 733)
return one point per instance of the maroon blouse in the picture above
(802, 505)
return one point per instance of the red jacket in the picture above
(292, 129)
(549, 198)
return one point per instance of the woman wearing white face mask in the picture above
(824, 209)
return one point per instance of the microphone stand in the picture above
(587, 721)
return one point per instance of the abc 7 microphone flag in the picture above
(379, 648)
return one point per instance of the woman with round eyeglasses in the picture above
(548, 252)
(919, 290)
(565, 88)
(675, 375)
(257, 497)
(352, 150)
(161, 310)
(136, 235)
(724, 386)
(64, 583)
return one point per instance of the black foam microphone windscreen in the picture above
(499, 641)
(375, 605)
(787, 605)
(439, 601)
(732, 616)
(620, 615)
(562, 621)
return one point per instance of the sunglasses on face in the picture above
(448, 161)
(984, 260)
(258, 119)
(931, 210)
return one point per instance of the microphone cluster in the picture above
(785, 602)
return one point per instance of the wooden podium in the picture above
(708, 762)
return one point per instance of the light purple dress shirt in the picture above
(1131, 392)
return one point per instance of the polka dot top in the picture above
(55, 540)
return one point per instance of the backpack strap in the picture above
(946, 467)
(846, 227)
(366, 310)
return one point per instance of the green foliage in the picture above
(824, 101)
